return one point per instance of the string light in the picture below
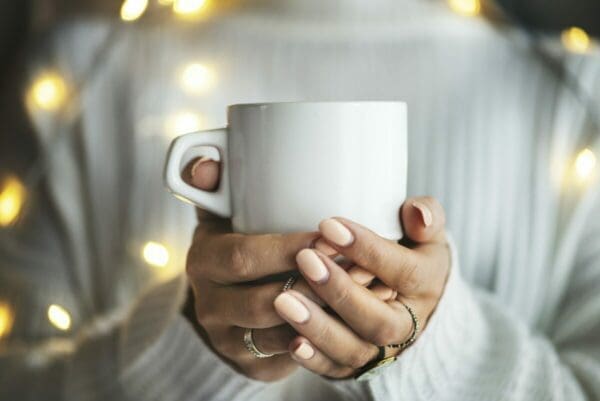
(12, 196)
(182, 122)
(188, 8)
(59, 317)
(155, 254)
(576, 40)
(467, 8)
(48, 91)
(196, 78)
(585, 165)
(6, 319)
(133, 9)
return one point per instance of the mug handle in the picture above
(184, 149)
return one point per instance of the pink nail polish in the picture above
(304, 351)
(312, 266)
(324, 247)
(336, 232)
(425, 213)
(291, 308)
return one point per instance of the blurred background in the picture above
(34, 90)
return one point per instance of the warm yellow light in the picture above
(585, 164)
(155, 254)
(576, 40)
(59, 317)
(48, 91)
(6, 319)
(165, 2)
(188, 7)
(133, 9)
(196, 78)
(182, 122)
(12, 196)
(467, 8)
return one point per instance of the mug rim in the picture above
(315, 103)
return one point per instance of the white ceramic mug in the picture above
(287, 166)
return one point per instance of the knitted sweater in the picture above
(492, 134)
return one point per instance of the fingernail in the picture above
(336, 232)
(383, 292)
(360, 275)
(312, 266)
(425, 212)
(304, 351)
(198, 162)
(291, 308)
(324, 247)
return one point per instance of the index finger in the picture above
(234, 258)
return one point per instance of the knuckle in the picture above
(341, 296)
(386, 334)
(372, 254)
(359, 358)
(409, 279)
(241, 260)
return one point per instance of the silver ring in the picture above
(289, 283)
(251, 347)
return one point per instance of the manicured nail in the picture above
(312, 266)
(198, 162)
(304, 351)
(383, 292)
(324, 247)
(360, 275)
(291, 308)
(425, 213)
(336, 232)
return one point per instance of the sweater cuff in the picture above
(428, 368)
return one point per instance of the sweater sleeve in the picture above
(476, 349)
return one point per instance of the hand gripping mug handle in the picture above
(184, 149)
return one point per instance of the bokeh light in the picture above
(467, 8)
(196, 78)
(131, 10)
(59, 317)
(6, 319)
(155, 254)
(576, 40)
(585, 165)
(182, 122)
(165, 2)
(12, 197)
(188, 8)
(48, 91)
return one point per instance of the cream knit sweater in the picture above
(492, 134)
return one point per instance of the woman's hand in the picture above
(228, 271)
(417, 271)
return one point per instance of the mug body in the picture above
(293, 164)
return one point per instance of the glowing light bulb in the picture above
(12, 197)
(182, 123)
(48, 91)
(133, 9)
(467, 8)
(155, 254)
(6, 319)
(576, 40)
(188, 7)
(585, 164)
(196, 78)
(59, 317)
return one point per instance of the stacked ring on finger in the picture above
(415, 330)
(289, 283)
(251, 347)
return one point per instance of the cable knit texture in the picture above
(492, 135)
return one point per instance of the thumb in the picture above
(423, 219)
(202, 173)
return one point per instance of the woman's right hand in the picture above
(227, 273)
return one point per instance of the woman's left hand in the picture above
(339, 346)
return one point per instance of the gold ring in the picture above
(289, 283)
(415, 331)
